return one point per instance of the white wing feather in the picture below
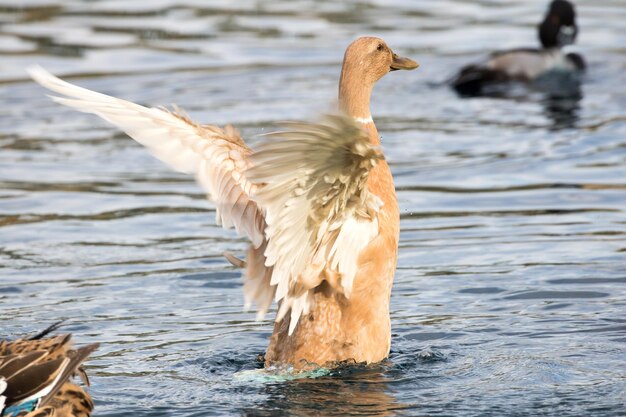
(319, 212)
(217, 157)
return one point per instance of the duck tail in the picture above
(472, 80)
(45, 332)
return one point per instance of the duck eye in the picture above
(380, 47)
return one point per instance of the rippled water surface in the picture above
(509, 297)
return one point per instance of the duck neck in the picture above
(354, 100)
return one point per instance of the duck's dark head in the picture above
(559, 26)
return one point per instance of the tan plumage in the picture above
(316, 200)
(318, 210)
(40, 369)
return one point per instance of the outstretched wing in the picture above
(319, 212)
(302, 199)
(217, 157)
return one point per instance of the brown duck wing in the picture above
(76, 357)
(42, 376)
(32, 380)
(17, 363)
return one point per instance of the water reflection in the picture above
(562, 94)
(562, 111)
(559, 93)
(351, 390)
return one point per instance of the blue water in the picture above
(510, 294)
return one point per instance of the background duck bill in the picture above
(566, 35)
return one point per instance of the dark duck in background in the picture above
(548, 65)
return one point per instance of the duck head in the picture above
(559, 26)
(366, 61)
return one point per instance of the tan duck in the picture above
(35, 377)
(317, 201)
